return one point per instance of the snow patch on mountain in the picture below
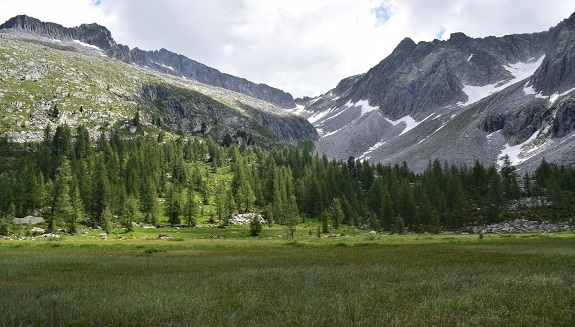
(557, 95)
(365, 155)
(162, 65)
(87, 45)
(365, 107)
(518, 153)
(520, 71)
(409, 122)
(318, 116)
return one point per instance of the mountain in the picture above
(51, 75)
(162, 61)
(458, 100)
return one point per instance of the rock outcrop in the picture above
(523, 226)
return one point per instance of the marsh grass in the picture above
(394, 281)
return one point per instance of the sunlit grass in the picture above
(393, 280)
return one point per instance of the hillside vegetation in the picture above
(48, 82)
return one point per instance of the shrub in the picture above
(255, 226)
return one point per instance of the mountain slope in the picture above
(162, 61)
(458, 100)
(46, 81)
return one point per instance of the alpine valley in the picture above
(459, 101)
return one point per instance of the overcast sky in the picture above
(304, 47)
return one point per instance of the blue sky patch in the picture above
(439, 35)
(96, 2)
(382, 13)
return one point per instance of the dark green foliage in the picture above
(174, 206)
(131, 213)
(255, 226)
(136, 119)
(61, 203)
(337, 215)
(192, 177)
(325, 219)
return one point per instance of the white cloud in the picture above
(302, 46)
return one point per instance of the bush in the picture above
(255, 226)
(4, 228)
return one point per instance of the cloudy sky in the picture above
(301, 46)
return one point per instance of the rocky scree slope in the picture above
(45, 81)
(162, 61)
(458, 100)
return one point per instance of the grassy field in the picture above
(521, 280)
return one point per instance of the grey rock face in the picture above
(557, 73)
(92, 34)
(564, 122)
(174, 64)
(458, 101)
(162, 61)
(193, 107)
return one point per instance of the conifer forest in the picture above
(70, 178)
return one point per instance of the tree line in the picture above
(70, 178)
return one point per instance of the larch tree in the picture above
(61, 203)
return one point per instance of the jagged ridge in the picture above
(162, 61)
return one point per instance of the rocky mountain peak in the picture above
(406, 45)
(459, 38)
(459, 100)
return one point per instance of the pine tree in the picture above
(149, 202)
(255, 226)
(62, 141)
(337, 215)
(174, 206)
(106, 220)
(291, 224)
(82, 146)
(131, 213)
(387, 211)
(191, 209)
(434, 222)
(325, 218)
(61, 203)
(77, 209)
(399, 224)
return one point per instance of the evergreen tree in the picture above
(387, 211)
(149, 202)
(61, 203)
(191, 209)
(77, 209)
(82, 145)
(62, 141)
(131, 213)
(136, 119)
(509, 179)
(495, 198)
(399, 224)
(174, 206)
(255, 226)
(325, 218)
(337, 215)
(106, 220)
(434, 222)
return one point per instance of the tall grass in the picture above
(506, 282)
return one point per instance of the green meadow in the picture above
(196, 279)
